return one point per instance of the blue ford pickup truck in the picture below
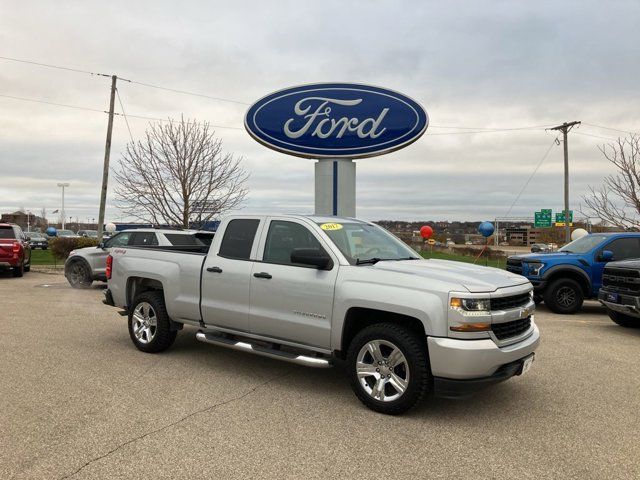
(563, 279)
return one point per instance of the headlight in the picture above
(534, 268)
(471, 304)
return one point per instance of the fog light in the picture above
(471, 327)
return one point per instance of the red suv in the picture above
(15, 251)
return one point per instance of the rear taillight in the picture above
(16, 247)
(109, 265)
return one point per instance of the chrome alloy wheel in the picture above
(145, 322)
(566, 296)
(382, 370)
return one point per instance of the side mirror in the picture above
(313, 257)
(28, 238)
(101, 245)
(606, 256)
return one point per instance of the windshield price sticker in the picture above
(331, 226)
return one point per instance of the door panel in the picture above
(296, 302)
(226, 276)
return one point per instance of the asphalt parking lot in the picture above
(77, 400)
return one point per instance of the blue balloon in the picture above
(486, 229)
(51, 231)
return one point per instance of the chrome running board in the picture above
(234, 344)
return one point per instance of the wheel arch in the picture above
(358, 318)
(138, 285)
(572, 272)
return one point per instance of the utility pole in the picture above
(565, 128)
(63, 185)
(107, 152)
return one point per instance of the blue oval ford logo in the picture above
(336, 120)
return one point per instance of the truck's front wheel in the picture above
(389, 367)
(564, 296)
(149, 324)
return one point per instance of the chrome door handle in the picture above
(262, 275)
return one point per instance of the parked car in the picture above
(38, 240)
(540, 247)
(15, 251)
(620, 292)
(310, 290)
(66, 234)
(88, 233)
(563, 279)
(86, 265)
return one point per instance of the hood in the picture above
(631, 263)
(543, 257)
(474, 278)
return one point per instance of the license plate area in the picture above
(613, 298)
(526, 364)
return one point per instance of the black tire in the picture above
(414, 348)
(78, 274)
(19, 270)
(537, 299)
(162, 337)
(564, 296)
(27, 268)
(623, 320)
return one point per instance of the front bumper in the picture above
(456, 359)
(451, 388)
(627, 304)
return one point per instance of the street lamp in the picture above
(63, 185)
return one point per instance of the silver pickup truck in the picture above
(313, 290)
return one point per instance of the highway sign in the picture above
(543, 218)
(560, 217)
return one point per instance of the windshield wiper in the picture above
(368, 261)
(374, 260)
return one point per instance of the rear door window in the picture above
(238, 238)
(143, 239)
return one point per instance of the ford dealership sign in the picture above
(336, 120)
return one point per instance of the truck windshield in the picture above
(363, 243)
(584, 244)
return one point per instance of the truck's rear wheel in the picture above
(623, 320)
(149, 324)
(564, 296)
(389, 367)
(19, 270)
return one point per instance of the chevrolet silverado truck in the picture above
(620, 292)
(315, 290)
(564, 279)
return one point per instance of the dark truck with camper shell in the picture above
(620, 292)
(565, 278)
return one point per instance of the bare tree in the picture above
(178, 174)
(617, 202)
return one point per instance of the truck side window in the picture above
(238, 238)
(118, 240)
(142, 239)
(624, 248)
(283, 237)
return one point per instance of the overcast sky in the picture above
(500, 64)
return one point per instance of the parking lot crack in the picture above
(172, 424)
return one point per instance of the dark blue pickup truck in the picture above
(563, 279)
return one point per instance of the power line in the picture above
(57, 67)
(183, 92)
(610, 128)
(535, 170)
(142, 117)
(124, 115)
(33, 100)
(595, 136)
(500, 129)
